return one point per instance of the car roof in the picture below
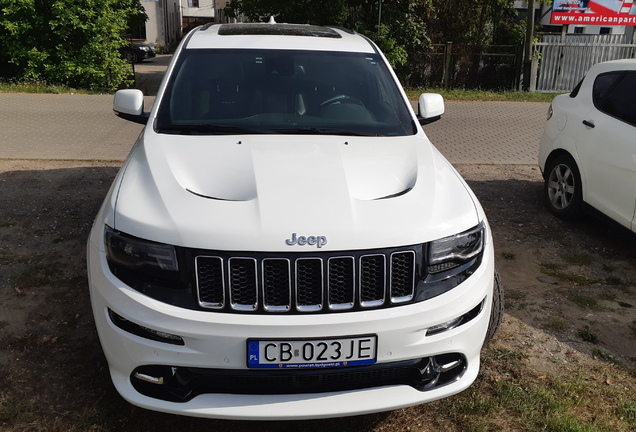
(613, 65)
(278, 36)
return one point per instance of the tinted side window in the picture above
(602, 85)
(618, 101)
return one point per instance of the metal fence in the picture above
(488, 67)
(563, 63)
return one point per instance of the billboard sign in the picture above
(594, 12)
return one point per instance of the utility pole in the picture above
(527, 52)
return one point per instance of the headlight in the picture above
(137, 254)
(148, 267)
(450, 252)
(450, 261)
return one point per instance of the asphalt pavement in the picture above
(83, 127)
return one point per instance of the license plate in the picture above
(311, 353)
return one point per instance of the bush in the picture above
(77, 43)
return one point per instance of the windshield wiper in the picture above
(212, 129)
(316, 131)
(207, 129)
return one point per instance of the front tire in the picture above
(563, 189)
(497, 311)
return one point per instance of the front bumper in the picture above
(214, 343)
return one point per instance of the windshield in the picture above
(236, 91)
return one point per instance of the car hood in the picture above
(254, 192)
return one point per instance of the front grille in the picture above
(302, 283)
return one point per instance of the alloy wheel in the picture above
(561, 186)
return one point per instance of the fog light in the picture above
(149, 378)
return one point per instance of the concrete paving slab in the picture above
(490, 132)
(82, 127)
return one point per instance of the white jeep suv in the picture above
(283, 241)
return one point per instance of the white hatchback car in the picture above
(283, 241)
(588, 150)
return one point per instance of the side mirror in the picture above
(430, 108)
(129, 105)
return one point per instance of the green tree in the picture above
(474, 22)
(397, 26)
(73, 42)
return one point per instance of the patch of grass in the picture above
(576, 279)
(556, 324)
(516, 295)
(551, 267)
(557, 403)
(544, 406)
(633, 329)
(579, 259)
(583, 301)
(604, 355)
(473, 404)
(612, 280)
(13, 412)
(627, 411)
(608, 268)
(507, 354)
(608, 296)
(516, 300)
(482, 95)
(36, 275)
(588, 335)
(557, 271)
(508, 256)
(6, 259)
(39, 87)
(551, 236)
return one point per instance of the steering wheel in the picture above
(342, 99)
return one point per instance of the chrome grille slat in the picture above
(372, 280)
(243, 288)
(303, 283)
(341, 280)
(276, 285)
(402, 273)
(309, 284)
(209, 273)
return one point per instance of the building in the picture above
(169, 20)
(197, 12)
(163, 27)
